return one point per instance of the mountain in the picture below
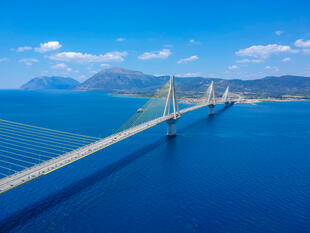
(121, 80)
(273, 86)
(46, 83)
(268, 86)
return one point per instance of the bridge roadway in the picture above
(189, 109)
(44, 168)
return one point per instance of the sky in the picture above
(222, 39)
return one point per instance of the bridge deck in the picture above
(44, 168)
(37, 142)
(185, 110)
(48, 166)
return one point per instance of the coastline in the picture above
(193, 100)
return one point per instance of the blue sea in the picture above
(246, 169)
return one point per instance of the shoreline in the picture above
(191, 100)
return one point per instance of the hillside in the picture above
(119, 80)
(47, 83)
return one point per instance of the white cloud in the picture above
(62, 66)
(2, 59)
(120, 39)
(274, 68)
(278, 32)
(59, 66)
(250, 61)
(24, 48)
(264, 51)
(48, 46)
(286, 59)
(192, 41)
(302, 44)
(158, 75)
(188, 59)
(189, 75)
(163, 54)
(105, 65)
(233, 67)
(28, 61)
(87, 58)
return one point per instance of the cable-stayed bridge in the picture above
(28, 152)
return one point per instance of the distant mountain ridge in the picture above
(273, 86)
(120, 80)
(47, 83)
(134, 82)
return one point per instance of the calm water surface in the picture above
(247, 169)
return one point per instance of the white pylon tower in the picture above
(211, 98)
(171, 131)
(225, 97)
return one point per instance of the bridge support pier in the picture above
(171, 101)
(171, 127)
(229, 103)
(211, 109)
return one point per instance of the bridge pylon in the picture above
(225, 98)
(211, 100)
(171, 97)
